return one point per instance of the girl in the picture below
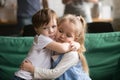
(69, 66)
(45, 24)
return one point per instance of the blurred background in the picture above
(8, 9)
(102, 12)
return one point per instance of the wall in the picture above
(57, 6)
(8, 12)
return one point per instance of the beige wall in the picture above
(8, 12)
(57, 6)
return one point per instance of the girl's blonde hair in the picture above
(80, 30)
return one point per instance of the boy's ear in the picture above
(36, 30)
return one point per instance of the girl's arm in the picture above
(69, 59)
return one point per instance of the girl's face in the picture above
(66, 32)
(49, 30)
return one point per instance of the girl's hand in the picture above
(27, 66)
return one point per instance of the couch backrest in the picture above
(103, 53)
(12, 52)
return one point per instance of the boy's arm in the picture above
(63, 47)
(46, 42)
(69, 59)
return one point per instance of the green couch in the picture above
(103, 55)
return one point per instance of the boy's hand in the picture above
(74, 46)
(27, 66)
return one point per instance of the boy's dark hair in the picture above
(43, 17)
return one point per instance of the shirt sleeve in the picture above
(69, 59)
(41, 41)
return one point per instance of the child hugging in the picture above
(45, 25)
(69, 66)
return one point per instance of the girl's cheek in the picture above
(58, 33)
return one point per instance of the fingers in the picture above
(73, 47)
(22, 64)
(27, 61)
(22, 67)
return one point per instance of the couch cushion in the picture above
(12, 52)
(103, 52)
(117, 72)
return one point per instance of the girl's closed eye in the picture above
(60, 30)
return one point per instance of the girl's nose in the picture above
(62, 35)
